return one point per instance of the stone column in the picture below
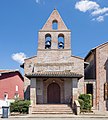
(74, 89)
(33, 91)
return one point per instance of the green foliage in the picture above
(85, 101)
(21, 106)
(81, 103)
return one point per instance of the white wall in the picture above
(3, 103)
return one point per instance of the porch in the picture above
(53, 87)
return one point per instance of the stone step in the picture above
(52, 105)
(53, 112)
(52, 109)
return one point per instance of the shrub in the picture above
(85, 101)
(81, 104)
(21, 106)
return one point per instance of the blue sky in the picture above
(20, 21)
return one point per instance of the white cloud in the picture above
(19, 57)
(94, 8)
(85, 5)
(40, 2)
(37, 1)
(100, 18)
(100, 11)
(106, 14)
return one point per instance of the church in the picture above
(54, 76)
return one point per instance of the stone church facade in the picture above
(54, 76)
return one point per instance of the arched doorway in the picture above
(53, 93)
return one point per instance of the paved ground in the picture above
(58, 117)
(74, 118)
(93, 116)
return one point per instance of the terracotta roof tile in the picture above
(65, 74)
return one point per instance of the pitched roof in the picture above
(95, 49)
(65, 74)
(8, 71)
(11, 71)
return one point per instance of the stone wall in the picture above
(72, 64)
(102, 76)
(40, 90)
(54, 16)
(28, 68)
(67, 90)
(98, 69)
(54, 39)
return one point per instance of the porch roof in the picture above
(65, 74)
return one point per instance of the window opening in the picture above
(54, 25)
(61, 41)
(47, 41)
(5, 96)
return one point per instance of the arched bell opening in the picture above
(55, 25)
(60, 41)
(47, 41)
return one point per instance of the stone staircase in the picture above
(52, 109)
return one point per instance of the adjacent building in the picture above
(11, 85)
(96, 76)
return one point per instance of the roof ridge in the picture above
(8, 70)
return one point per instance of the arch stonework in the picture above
(60, 82)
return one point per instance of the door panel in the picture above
(53, 93)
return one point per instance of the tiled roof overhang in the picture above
(54, 74)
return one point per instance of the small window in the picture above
(61, 41)
(16, 88)
(54, 25)
(47, 41)
(5, 96)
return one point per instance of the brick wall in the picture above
(102, 76)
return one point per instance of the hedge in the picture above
(21, 106)
(85, 101)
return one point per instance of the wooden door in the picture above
(53, 93)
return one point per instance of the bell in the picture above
(61, 45)
(47, 44)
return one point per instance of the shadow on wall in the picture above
(27, 93)
(106, 68)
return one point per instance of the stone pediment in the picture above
(55, 16)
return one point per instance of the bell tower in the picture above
(54, 35)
